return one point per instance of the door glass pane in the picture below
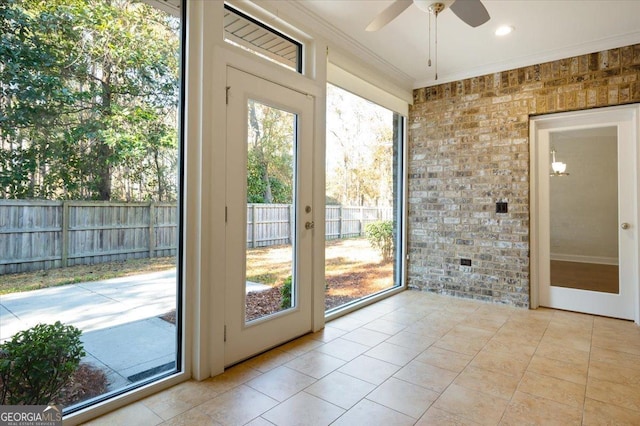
(270, 277)
(89, 198)
(363, 196)
(584, 210)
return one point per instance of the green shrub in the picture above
(36, 363)
(380, 235)
(285, 291)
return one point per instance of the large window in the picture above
(89, 199)
(364, 199)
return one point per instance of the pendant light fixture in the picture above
(558, 168)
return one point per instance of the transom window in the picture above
(256, 37)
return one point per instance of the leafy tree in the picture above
(359, 136)
(89, 100)
(270, 154)
(35, 94)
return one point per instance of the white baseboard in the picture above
(584, 259)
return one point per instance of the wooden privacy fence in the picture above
(270, 224)
(347, 222)
(38, 235)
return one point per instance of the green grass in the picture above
(269, 265)
(268, 279)
(27, 281)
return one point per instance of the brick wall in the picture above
(469, 148)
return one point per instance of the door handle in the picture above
(625, 225)
(309, 225)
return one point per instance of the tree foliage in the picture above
(359, 138)
(270, 154)
(89, 94)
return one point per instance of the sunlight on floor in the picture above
(423, 359)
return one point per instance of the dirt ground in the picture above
(353, 270)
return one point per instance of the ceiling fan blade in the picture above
(389, 14)
(471, 12)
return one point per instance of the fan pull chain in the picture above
(436, 45)
(429, 38)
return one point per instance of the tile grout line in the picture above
(525, 370)
(584, 399)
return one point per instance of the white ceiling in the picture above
(545, 30)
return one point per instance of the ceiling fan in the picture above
(471, 12)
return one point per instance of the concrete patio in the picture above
(120, 321)
(122, 331)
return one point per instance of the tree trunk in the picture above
(102, 150)
(159, 175)
(259, 150)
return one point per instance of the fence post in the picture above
(152, 234)
(253, 226)
(65, 234)
(340, 222)
(290, 223)
(361, 221)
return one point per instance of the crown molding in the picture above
(525, 61)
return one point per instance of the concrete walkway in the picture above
(122, 333)
(119, 318)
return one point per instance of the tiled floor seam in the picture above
(474, 390)
(525, 370)
(453, 381)
(408, 362)
(377, 386)
(586, 386)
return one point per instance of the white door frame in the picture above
(626, 117)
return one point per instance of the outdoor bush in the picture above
(380, 235)
(36, 363)
(285, 291)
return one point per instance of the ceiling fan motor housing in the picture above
(434, 7)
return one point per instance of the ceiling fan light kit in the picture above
(472, 12)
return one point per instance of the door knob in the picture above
(625, 225)
(309, 225)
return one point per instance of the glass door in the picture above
(587, 233)
(269, 215)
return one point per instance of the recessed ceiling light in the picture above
(504, 30)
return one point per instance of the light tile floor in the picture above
(422, 359)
